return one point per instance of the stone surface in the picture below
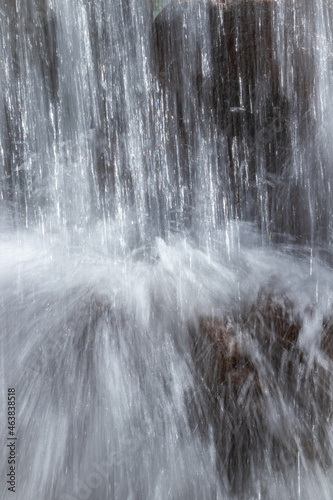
(262, 393)
(224, 80)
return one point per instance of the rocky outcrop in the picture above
(263, 394)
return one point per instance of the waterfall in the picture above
(166, 283)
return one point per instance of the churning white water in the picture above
(128, 214)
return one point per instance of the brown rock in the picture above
(221, 79)
(251, 369)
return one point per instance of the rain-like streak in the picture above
(165, 186)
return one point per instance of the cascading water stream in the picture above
(166, 281)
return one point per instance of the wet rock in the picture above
(327, 339)
(31, 61)
(223, 81)
(225, 360)
(263, 396)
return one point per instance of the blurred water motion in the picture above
(165, 263)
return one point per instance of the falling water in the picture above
(166, 186)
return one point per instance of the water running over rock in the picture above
(166, 273)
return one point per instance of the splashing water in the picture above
(165, 264)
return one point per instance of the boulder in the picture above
(262, 394)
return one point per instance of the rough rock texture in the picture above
(261, 392)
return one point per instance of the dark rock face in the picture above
(261, 392)
(221, 80)
(31, 62)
